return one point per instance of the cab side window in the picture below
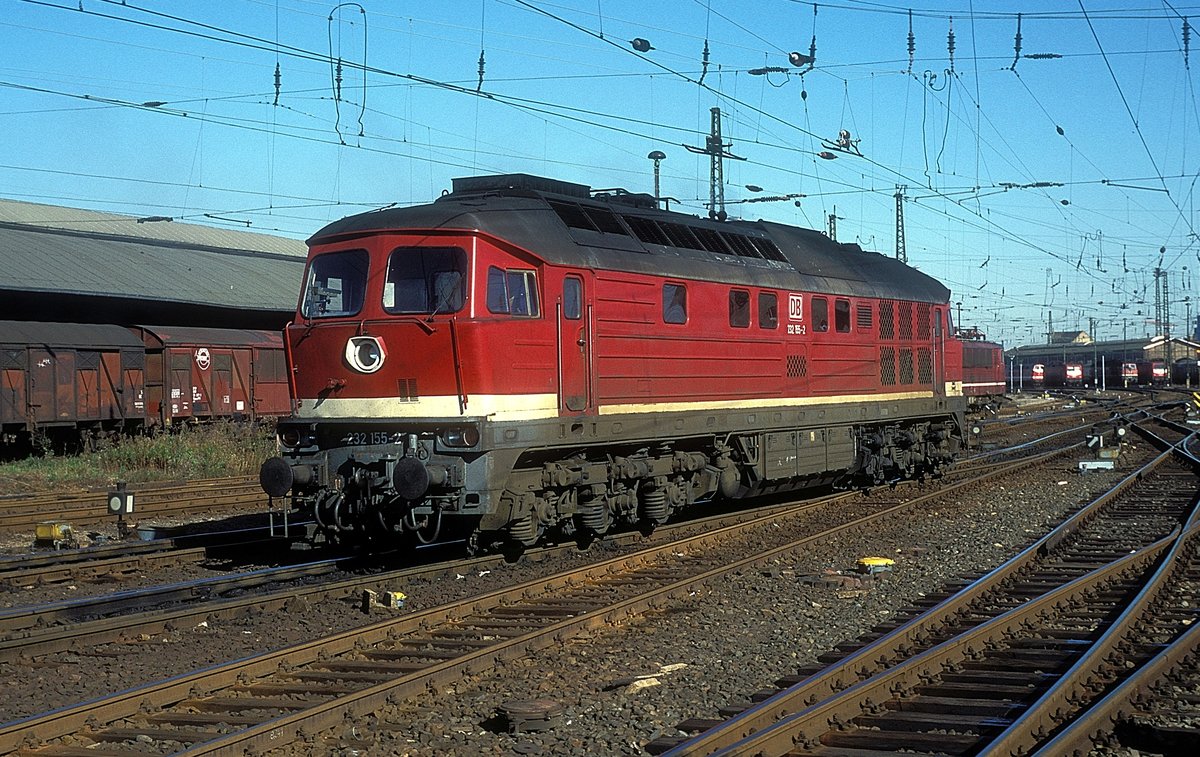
(820, 314)
(768, 310)
(512, 292)
(739, 308)
(841, 316)
(674, 303)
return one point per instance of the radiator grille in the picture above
(887, 320)
(906, 366)
(906, 321)
(924, 365)
(923, 322)
(887, 366)
(797, 366)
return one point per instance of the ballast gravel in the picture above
(722, 645)
(717, 648)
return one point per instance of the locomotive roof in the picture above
(565, 224)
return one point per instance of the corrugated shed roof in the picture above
(112, 224)
(64, 263)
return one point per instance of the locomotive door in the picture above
(573, 345)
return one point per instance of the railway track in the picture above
(1155, 709)
(947, 702)
(113, 560)
(62, 624)
(271, 699)
(19, 513)
(19, 623)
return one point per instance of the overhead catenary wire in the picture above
(803, 4)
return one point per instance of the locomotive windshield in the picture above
(425, 280)
(335, 285)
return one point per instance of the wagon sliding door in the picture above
(574, 344)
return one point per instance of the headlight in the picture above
(467, 436)
(296, 436)
(365, 354)
(290, 437)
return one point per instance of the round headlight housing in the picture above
(290, 436)
(466, 436)
(365, 354)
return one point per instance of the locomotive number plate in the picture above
(356, 438)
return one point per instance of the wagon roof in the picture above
(187, 336)
(67, 335)
(564, 224)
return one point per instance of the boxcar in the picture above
(202, 374)
(64, 378)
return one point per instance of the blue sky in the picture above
(169, 108)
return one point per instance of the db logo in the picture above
(795, 307)
(203, 358)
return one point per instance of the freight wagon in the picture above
(73, 384)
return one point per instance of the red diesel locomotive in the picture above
(522, 357)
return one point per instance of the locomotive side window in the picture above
(512, 292)
(820, 314)
(674, 303)
(336, 284)
(572, 298)
(841, 316)
(739, 308)
(768, 310)
(425, 280)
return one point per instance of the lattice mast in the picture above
(715, 149)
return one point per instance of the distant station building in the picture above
(70, 265)
(1070, 337)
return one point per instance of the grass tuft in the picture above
(209, 451)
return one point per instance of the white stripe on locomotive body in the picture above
(757, 404)
(523, 407)
(500, 407)
(984, 383)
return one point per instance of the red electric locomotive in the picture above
(1159, 375)
(983, 381)
(523, 357)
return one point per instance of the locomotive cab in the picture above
(396, 384)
